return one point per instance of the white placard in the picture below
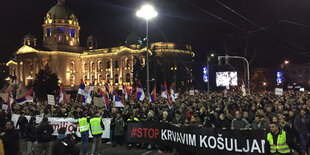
(191, 92)
(279, 91)
(50, 99)
(68, 123)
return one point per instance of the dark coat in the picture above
(119, 126)
(298, 122)
(64, 146)
(44, 132)
(11, 142)
(31, 132)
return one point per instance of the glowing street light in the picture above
(147, 12)
(286, 62)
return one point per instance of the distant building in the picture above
(61, 50)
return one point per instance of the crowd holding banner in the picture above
(202, 119)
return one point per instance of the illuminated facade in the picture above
(62, 52)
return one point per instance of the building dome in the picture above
(133, 39)
(29, 36)
(60, 11)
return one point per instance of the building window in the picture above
(72, 80)
(108, 65)
(72, 67)
(108, 76)
(48, 32)
(92, 66)
(85, 67)
(71, 32)
(128, 63)
(127, 77)
(61, 28)
(116, 78)
(116, 64)
(99, 66)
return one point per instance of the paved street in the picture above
(107, 150)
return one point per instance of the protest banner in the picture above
(198, 140)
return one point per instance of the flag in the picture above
(243, 88)
(62, 95)
(106, 89)
(84, 96)
(10, 99)
(165, 93)
(126, 92)
(90, 92)
(81, 88)
(139, 92)
(172, 94)
(153, 95)
(26, 98)
(116, 99)
(105, 99)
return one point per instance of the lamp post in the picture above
(208, 60)
(147, 12)
(15, 83)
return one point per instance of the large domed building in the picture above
(61, 50)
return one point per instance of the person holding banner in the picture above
(84, 129)
(97, 127)
(279, 141)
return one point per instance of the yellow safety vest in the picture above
(95, 124)
(134, 119)
(84, 125)
(281, 146)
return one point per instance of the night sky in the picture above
(275, 29)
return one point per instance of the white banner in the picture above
(68, 123)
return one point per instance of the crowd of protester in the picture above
(227, 111)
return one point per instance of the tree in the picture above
(45, 83)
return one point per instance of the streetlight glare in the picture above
(286, 62)
(147, 12)
(212, 54)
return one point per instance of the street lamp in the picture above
(147, 12)
(15, 83)
(286, 62)
(208, 60)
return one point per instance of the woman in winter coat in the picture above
(31, 135)
(119, 129)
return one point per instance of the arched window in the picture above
(108, 65)
(116, 64)
(127, 77)
(116, 78)
(85, 67)
(108, 76)
(99, 66)
(99, 78)
(128, 63)
(84, 78)
(92, 66)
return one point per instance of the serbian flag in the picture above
(105, 99)
(172, 94)
(26, 98)
(243, 88)
(117, 100)
(81, 88)
(106, 89)
(62, 95)
(90, 92)
(10, 99)
(84, 96)
(126, 92)
(139, 92)
(153, 95)
(166, 93)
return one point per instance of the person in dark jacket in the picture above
(302, 126)
(222, 122)
(21, 122)
(118, 130)
(64, 145)
(44, 133)
(31, 134)
(10, 139)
